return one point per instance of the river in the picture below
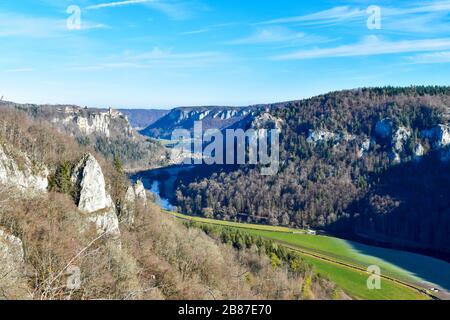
(162, 178)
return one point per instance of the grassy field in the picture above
(350, 280)
(354, 283)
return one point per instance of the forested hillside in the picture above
(107, 131)
(73, 227)
(367, 163)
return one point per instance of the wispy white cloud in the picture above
(368, 47)
(198, 31)
(269, 35)
(340, 13)
(209, 28)
(20, 70)
(158, 58)
(436, 6)
(157, 54)
(14, 25)
(427, 58)
(117, 4)
(174, 9)
(413, 18)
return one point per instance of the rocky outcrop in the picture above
(11, 250)
(418, 151)
(268, 122)
(129, 206)
(92, 197)
(400, 138)
(19, 172)
(135, 195)
(318, 136)
(89, 179)
(364, 147)
(395, 138)
(439, 136)
(106, 222)
(96, 123)
(141, 193)
(219, 118)
(12, 264)
(89, 122)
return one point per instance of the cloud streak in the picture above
(399, 18)
(117, 4)
(430, 58)
(158, 58)
(173, 9)
(340, 13)
(369, 47)
(269, 35)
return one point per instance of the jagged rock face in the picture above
(129, 206)
(399, 138)
(12, 264)
(24, 176)
(106, 222)
(96, 123)
(130, 196)
(268, 122)
(89, 179)
(383, 128)
(179, 115)
(219, 118)
(394, 157)
(364, 148)
(439, 136)
(134, 195)
(11, 249)
(318, 136)
(141, 193)
(93, 199)
(419, 151)
(93, 122)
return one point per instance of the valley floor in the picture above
(405, 275)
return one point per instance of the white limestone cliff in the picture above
(19, 172)
(92, 197)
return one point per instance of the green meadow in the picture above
(351, 280)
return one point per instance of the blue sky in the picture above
(166, 53)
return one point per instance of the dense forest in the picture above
(391, 187)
